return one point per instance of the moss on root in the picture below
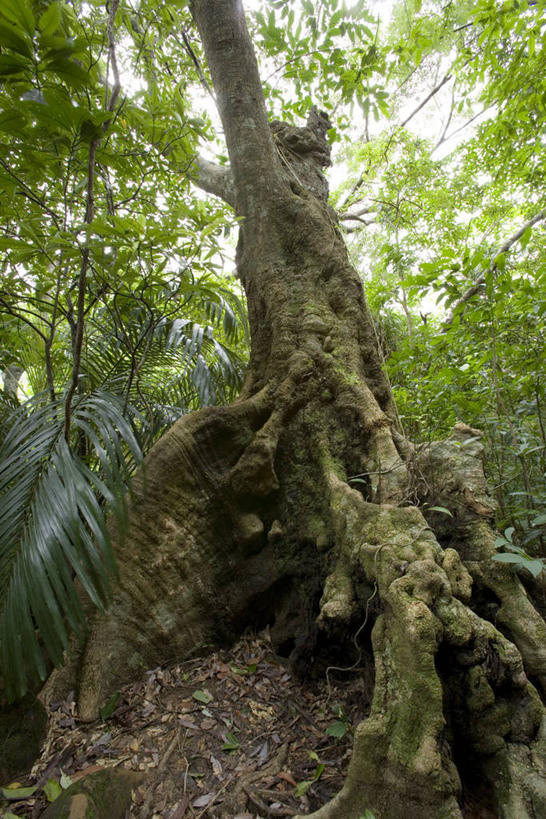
(246, 518)
(102, 795)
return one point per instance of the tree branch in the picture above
(361, 211)
(427, 99)
(213, 178)
(348, 217)
(480, 281)
(360, 181)
(446, 138)
(197, 64)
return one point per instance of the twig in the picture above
(146, 808)
(448, 121)
(474, 288)
(197, 65)
(29, 193)
(461, 28)
(215, 797)
(461, 127)
(260, 804)
(271, 769)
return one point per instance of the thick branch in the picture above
(480, 281)
(215, 179)
(348, 217)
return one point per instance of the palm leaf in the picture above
(53, 507)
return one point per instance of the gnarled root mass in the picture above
(244, 517)
(452, 701)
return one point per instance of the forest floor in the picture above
(232, 735)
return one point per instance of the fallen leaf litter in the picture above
(232, 735)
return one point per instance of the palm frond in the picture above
(221, 306)
(213, 368)
(53, 507)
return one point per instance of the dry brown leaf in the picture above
(216, 766)
(180, 809)
(139, 796)
(187, 723)
(202, 801)
(287, 777)
(207, 724)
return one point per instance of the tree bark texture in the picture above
(245, 515)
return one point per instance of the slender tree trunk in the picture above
(246, 515)
(12, 375)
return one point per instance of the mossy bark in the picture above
(245, 515)
(102, 795)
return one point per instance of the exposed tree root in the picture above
(237, 798)
(450, 689)
(446, 679)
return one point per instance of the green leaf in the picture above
(20, 12)
(15, 39)
(250, 669)
(202, 696)
(500, 261)
(428, 267)
(337, 729)
(508, 533)
(13, 64)
(441, 509)
(52, 790)
(231, 743)
(302, 787)
(50, 20)
(69, 71)
(521, 561)
(525, 236)
(508, 557)
(109, 707)
(53, 525)
(15, 794)
(535, 567)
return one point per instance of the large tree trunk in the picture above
(245, 514)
